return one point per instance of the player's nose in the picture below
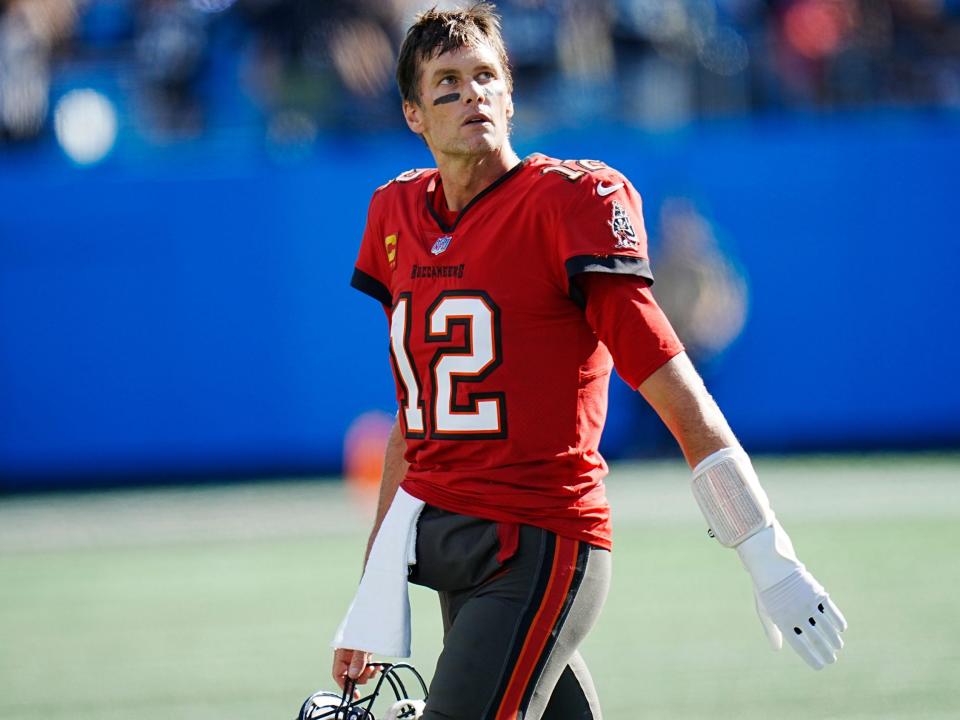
(475, 93)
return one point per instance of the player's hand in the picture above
(353, 664)
(790, 601)
(799, 608)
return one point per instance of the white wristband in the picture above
(769, 556)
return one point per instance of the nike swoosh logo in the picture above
(604, 190)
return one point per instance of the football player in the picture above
(512, 287)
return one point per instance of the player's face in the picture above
(465, 106)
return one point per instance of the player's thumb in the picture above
(774, 636)
(357, 664)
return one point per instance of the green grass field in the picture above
(219, 602)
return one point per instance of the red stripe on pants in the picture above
(561, 576)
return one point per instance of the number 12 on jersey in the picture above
(482, 415)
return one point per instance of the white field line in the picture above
(802, 489)
(161, 516)
(655, 493)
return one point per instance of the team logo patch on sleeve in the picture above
(390, 245)
(622, 228)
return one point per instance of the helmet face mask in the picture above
(396, 705)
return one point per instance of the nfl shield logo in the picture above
(441, 244)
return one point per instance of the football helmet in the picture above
(326, 705)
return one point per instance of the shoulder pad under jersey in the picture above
(407, 176)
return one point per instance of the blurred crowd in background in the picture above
(166, 260)
(290, 69)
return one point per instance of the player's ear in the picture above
(509, 105)
(413, 114)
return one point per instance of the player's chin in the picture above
(483, 143)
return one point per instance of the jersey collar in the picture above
(450, 227)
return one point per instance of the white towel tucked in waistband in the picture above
(378, 620)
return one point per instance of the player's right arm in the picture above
(373, 273)
(355, 663)
(371, 276)
(394, 470)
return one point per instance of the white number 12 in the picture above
(483, 414)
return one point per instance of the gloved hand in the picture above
(790, 601)
(800, 608)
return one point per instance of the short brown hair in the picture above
(435, 32)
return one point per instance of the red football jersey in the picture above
(501, 382)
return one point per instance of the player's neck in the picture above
(466, 177)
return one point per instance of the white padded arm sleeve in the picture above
(728, 492)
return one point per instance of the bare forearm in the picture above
(394, 470)
(679, 396)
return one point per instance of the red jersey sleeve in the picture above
(625, 316)
(601, 229)
(378, 252)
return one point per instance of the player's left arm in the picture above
(680, 398)
(789, 599)
(603, 246)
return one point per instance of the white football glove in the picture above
(790, 601)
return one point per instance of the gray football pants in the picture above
(511, 631)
